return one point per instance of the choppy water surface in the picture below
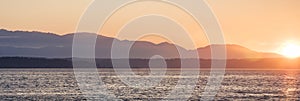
(60, 84)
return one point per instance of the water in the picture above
(60, 84)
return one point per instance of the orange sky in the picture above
(262, 25)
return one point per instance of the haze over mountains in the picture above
(49, 45)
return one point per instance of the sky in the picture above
(261, 25)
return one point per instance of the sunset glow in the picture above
(263, 18)
(291, 50)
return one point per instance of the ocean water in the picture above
(61, 84)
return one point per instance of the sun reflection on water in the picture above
(290, 80)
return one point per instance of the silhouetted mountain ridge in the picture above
(50, 45)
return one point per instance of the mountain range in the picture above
(50, 45)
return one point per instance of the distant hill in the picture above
(50, 45)
(236, 52)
